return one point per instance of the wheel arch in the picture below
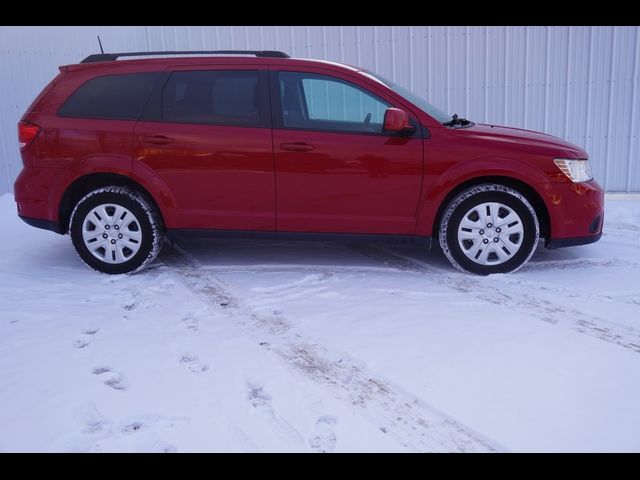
(87, 183)
(525, 189)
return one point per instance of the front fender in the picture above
(437, 187)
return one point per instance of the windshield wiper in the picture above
(455, 120)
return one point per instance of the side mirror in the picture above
(397, 121)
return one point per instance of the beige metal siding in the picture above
(579, 83)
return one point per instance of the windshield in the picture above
(419, 102)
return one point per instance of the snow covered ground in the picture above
(267, 346)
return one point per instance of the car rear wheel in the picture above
(116, 230)
(489, 228)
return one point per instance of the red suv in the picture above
(121, 153)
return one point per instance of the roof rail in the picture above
(108, 57)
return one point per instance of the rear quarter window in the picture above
(117, 97)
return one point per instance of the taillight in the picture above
(26, 133)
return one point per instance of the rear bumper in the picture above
(34, 193)
(42, 223)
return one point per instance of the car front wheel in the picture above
(116, 230)
(489, 228)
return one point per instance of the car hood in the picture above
(520, 137)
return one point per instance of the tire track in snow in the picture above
(539, 308)
(414, 424)
(578, 263)
(628, 298)
(299, 268)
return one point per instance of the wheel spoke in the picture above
(473, 235)
(106, 218)
(131, 234)
(484, 255)
(510, 218)
(126, 255)
(117, 214)
(485, 213)
(119, 253)
(473, 251)
(94, 247)
(126, 220)
(512, 247)
(502, 255)
(89, 234)
(510, 230)
(92, 237)
(112, 253)
(466, 222)
(495, 210)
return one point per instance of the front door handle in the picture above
(297, 147)
(156, 139)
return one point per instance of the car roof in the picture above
(170, 61)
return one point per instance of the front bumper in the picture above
(576, 213)
(572, 242)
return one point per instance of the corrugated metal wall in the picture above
(579, 83)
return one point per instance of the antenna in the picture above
(100, 43)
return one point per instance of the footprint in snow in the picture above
(84, 341)
(259, 399)
(323, 439)
(191, 323)
(133, 427)
(97, 433)
(193, 363)
(93, 421)
(111, 379)
(81, 343)
(150, 442)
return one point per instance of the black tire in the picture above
(147, 216)
(477, 195)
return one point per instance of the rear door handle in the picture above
(297, 147)
(156, 139)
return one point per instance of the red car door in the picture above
(211, 146)
(335, 169)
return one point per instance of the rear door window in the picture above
(118, 97)
(218, 97)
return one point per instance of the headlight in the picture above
(577, 170)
